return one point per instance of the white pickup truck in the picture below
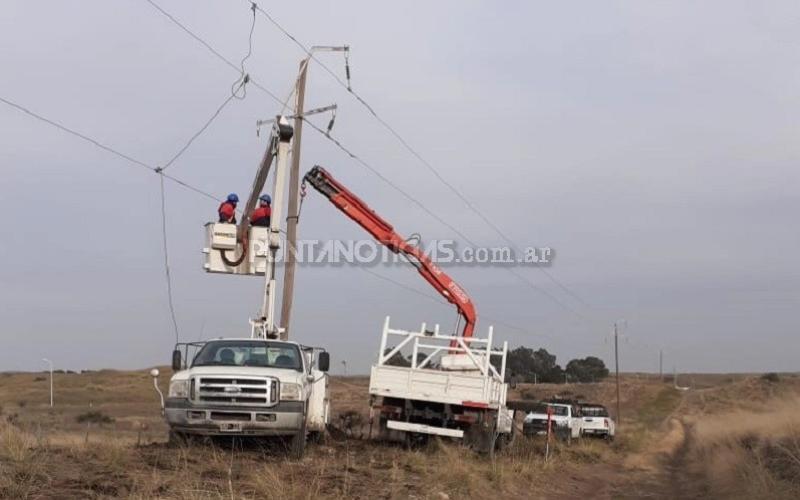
(448, 386)
(597, 422)
(565, 420)
(248, 387)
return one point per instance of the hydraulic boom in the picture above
(357, 210)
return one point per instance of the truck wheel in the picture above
(297, 446)
(316, 437)
(503, 441)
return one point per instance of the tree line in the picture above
(526, 365)
(523, 364)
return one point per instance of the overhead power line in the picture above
(243, 76)
(352, 155)
(207, 124)
(76, 134)
(136, 162)
(105, 147)
(165, 246)
(166, 258)
(414, 152)
(437, 217)
(213, 51)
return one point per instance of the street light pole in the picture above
(51, 379)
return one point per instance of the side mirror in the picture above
(154, 373)
(324, 361)
(176, 360)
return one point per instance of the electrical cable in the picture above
(243, 76)
(431, 213)
(213, 51)
(137, 162)
(163, 175)
(207, 124)
(166, 258)
(347, 86)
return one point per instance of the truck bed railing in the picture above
(426, 345)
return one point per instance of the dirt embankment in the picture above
(735, 440)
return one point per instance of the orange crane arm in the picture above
(357, 210)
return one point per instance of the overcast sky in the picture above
(653, 145)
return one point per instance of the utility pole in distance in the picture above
(661, 365)
(51, 379)
(616, 363)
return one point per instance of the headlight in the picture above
(290, 392)
(179, 389)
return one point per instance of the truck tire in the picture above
(504, 441)
(297, 445)
(316, 437)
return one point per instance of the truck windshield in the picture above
(249, 353)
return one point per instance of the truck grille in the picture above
(535, 425)
(236, 391)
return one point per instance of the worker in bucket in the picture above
(227, 210)
(261, 215)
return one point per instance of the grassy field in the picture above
(733, 436)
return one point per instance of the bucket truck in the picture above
(450, 385)
(261, 385)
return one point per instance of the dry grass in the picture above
(746, 453)
(47, 453)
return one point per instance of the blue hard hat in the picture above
(233, 198)
(266, 199)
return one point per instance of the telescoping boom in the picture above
(360, 212)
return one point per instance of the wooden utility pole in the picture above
(661, 365)
(616, 363)
(290, 256)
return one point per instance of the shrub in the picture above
(771, 377)
(94, 417)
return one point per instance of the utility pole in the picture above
(51, 379)
(661, 365)
(290, 255)
(290, 258)
(344, 365)
(616, 363)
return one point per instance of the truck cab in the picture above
(248, 387)
(565, 420)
